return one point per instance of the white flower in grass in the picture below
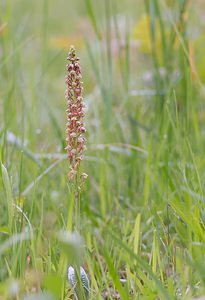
(84, 281)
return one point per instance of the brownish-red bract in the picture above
(75, 140)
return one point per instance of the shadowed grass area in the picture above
(142, 206)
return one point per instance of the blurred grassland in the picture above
(142, 207)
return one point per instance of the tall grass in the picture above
(142, 206)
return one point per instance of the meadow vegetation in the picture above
(142, 207)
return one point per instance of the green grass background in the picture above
(142, 206)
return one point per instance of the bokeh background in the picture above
(143, 72)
